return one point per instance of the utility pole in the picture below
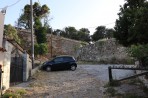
(51, 44)
(32, 34)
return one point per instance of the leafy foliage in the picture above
(82, 34)
(102, 32)
(11, 33)
(99, 34)
(38, 12)
(140, 52)
(41, 49)
(131, 27)
(41, 35)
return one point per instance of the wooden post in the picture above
(110, 74)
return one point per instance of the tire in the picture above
(48, 69)
(73, 67)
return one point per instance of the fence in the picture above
(126, 68)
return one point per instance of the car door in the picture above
(58, 62)
(66, 63)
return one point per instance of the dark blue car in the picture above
(60, 63)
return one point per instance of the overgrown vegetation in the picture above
(140, 52)
(129, 95)
(111, 91)
(41, 12)
(113, 88)
(14, 94)
(113, 83)
(131, 29)
(11, 33)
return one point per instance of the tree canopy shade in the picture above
(132, 25)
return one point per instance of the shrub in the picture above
(11, 95)
(111, 91)
(14, 94)
(139, 52)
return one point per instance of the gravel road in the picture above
(85, 82)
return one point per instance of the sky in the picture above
(63, 13)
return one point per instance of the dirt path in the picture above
(86, 82)
(63, 84)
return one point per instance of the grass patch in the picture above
(114, 83)
(135, 81)
(144, 88)
(11, 95)
(21, 91)
(111, 91)
(131, 96)
(14, 94)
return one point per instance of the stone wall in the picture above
(58, 45)
(104, 51)
(25, 36)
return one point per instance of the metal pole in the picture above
(110, 74)
(51, 44)
(32, 34)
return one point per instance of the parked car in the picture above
(60, 63)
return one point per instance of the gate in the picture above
(16, 70)
(110, 68)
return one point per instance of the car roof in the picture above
(64, 56)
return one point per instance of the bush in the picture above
(41, 49)
(11, 95)
(14, 94)
(140, 53)
(111, 91)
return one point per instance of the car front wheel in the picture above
(48, 68)
(73, 67)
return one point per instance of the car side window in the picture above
(67, 59)
(58, 59)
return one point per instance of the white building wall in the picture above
(6, 67)
(1, 61)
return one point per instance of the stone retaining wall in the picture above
(104, 51)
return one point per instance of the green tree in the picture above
(99, 33)
(109, 33)
(83, 35)
(41, 35)
(58, 32)
(40, 49)
(69, 32)
(11, 33)
(39, 12)
(140, 52)
(131, 27)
